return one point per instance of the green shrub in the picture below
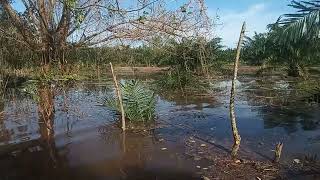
(138, 101)
(180, 80)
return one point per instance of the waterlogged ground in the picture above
(62, 131)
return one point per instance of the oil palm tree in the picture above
(139, 102)
(257, 49)
(304, 23)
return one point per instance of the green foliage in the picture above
(31, 89)
(175, 80)
(138, 101)
(217, 54)
(187, 55)
(304, 24)
(184, 81)
(258, 49)
(292, 41)
(13, 52)
(268, 48)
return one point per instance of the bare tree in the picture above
(236, 135)
(49, 27)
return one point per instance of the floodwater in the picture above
(64, 132)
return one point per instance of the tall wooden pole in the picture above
(236, 135)
(118, 91)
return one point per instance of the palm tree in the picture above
(305, 23)
(257, 49)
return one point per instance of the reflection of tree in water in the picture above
(46, 121)
(289, 118)
(139, 156)
(200, 100)
(46, 112)
(38, 157)
(4, 133)
(285, 105)
(133, 151)
(1, 106)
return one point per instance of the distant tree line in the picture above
(188, 53)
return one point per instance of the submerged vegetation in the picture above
(138, 101)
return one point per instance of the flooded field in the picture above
(64, 132)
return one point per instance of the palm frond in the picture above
(304, 23)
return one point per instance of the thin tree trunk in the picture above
(236, 136)
(118, 91)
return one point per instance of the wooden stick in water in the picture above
(235, 132)
(277, 152)
(118, 91)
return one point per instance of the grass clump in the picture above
(138, 101)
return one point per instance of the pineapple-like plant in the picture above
(138, 101)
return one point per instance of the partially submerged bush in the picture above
(181, 80)
(138, 101)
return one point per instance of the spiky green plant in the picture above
(138, 101)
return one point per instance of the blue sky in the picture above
(257, 13)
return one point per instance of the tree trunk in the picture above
(236, 136)
(51, 53)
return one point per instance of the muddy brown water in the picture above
(66, 133)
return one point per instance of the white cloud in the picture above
(257, 17)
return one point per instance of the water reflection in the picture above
(4, 133)
(142, 156)
(58, 134)
(46, 112)
(46, 121)
(282, 105)
(291, 118)
(67, 146)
